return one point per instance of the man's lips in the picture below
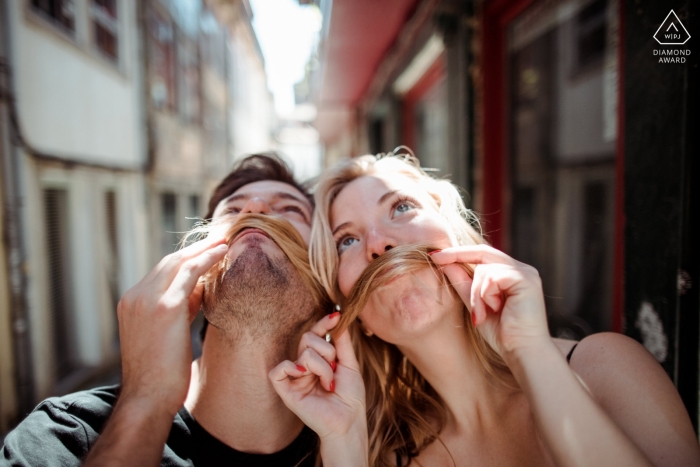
(246, 231)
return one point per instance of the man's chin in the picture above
(254, 242)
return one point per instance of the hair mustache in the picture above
(280, 231)
(390, 265)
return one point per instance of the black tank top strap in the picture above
(571, 352)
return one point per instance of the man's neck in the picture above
(232, 398)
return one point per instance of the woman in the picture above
(466, 373)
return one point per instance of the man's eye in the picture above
(232, 210)
(293, 209)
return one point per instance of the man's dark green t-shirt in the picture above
(61, 431)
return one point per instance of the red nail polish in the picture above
(301, 368)
(431, 253)
(333, 315)
(333, 386)
(474, 319)
(334, 365)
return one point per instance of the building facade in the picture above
(569, 135)
(117, 119)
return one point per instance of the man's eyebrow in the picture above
(236, 197)
(285, 195)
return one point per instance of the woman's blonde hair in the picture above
(404, 412)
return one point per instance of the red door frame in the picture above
(497, 15)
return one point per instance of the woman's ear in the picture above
(363, 328)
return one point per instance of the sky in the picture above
(287, 33)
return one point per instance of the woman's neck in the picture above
(447, 360)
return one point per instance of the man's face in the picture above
(260, 285)
(270, 198)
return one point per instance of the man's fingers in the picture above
(325, 349)
(315, 364)
(194, 302)
(325, 324)
(471, 254)
(189, 273)
(170, 265)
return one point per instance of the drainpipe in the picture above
(12, 235)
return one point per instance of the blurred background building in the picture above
(568, 135)
(571, 139)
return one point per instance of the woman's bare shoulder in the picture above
(635, 391)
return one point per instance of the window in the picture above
(59, 12)
(105, 27)
(60, 287)
(561, 164)
(162, 61)
(168, 209)
(193, 214)
(590, 26)
(188, 74)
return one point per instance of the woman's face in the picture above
(371, 215)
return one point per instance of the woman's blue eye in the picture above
(403, 207)
(345, 242)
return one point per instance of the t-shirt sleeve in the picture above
(49, 436)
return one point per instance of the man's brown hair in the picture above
(255, 168)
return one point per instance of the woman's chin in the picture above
(407, 310)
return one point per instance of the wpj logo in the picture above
(672, 31)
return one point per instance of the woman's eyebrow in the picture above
(340, 227)
(386, 195)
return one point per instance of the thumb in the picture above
(460, 280)
(195, 300)
(344, 351)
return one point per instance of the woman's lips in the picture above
(248, 230)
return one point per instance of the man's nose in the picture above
(256, 206)
(378, 243)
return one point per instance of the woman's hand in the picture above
(324, 388)
(505, 296)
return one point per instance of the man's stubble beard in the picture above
(262, 298)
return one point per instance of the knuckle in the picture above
(163, 305)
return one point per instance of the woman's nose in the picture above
(378, 244)
(386, 248)
(256, 206)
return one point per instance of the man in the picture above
(231, 413)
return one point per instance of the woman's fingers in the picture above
(492, 292)
(460, 280)
(345, 351)
(315, 364)
(478, 305)
(325, 324)
(280, 377)
(319, 345)
(471, 254)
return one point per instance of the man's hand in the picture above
(154, 323)
(154, 326)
